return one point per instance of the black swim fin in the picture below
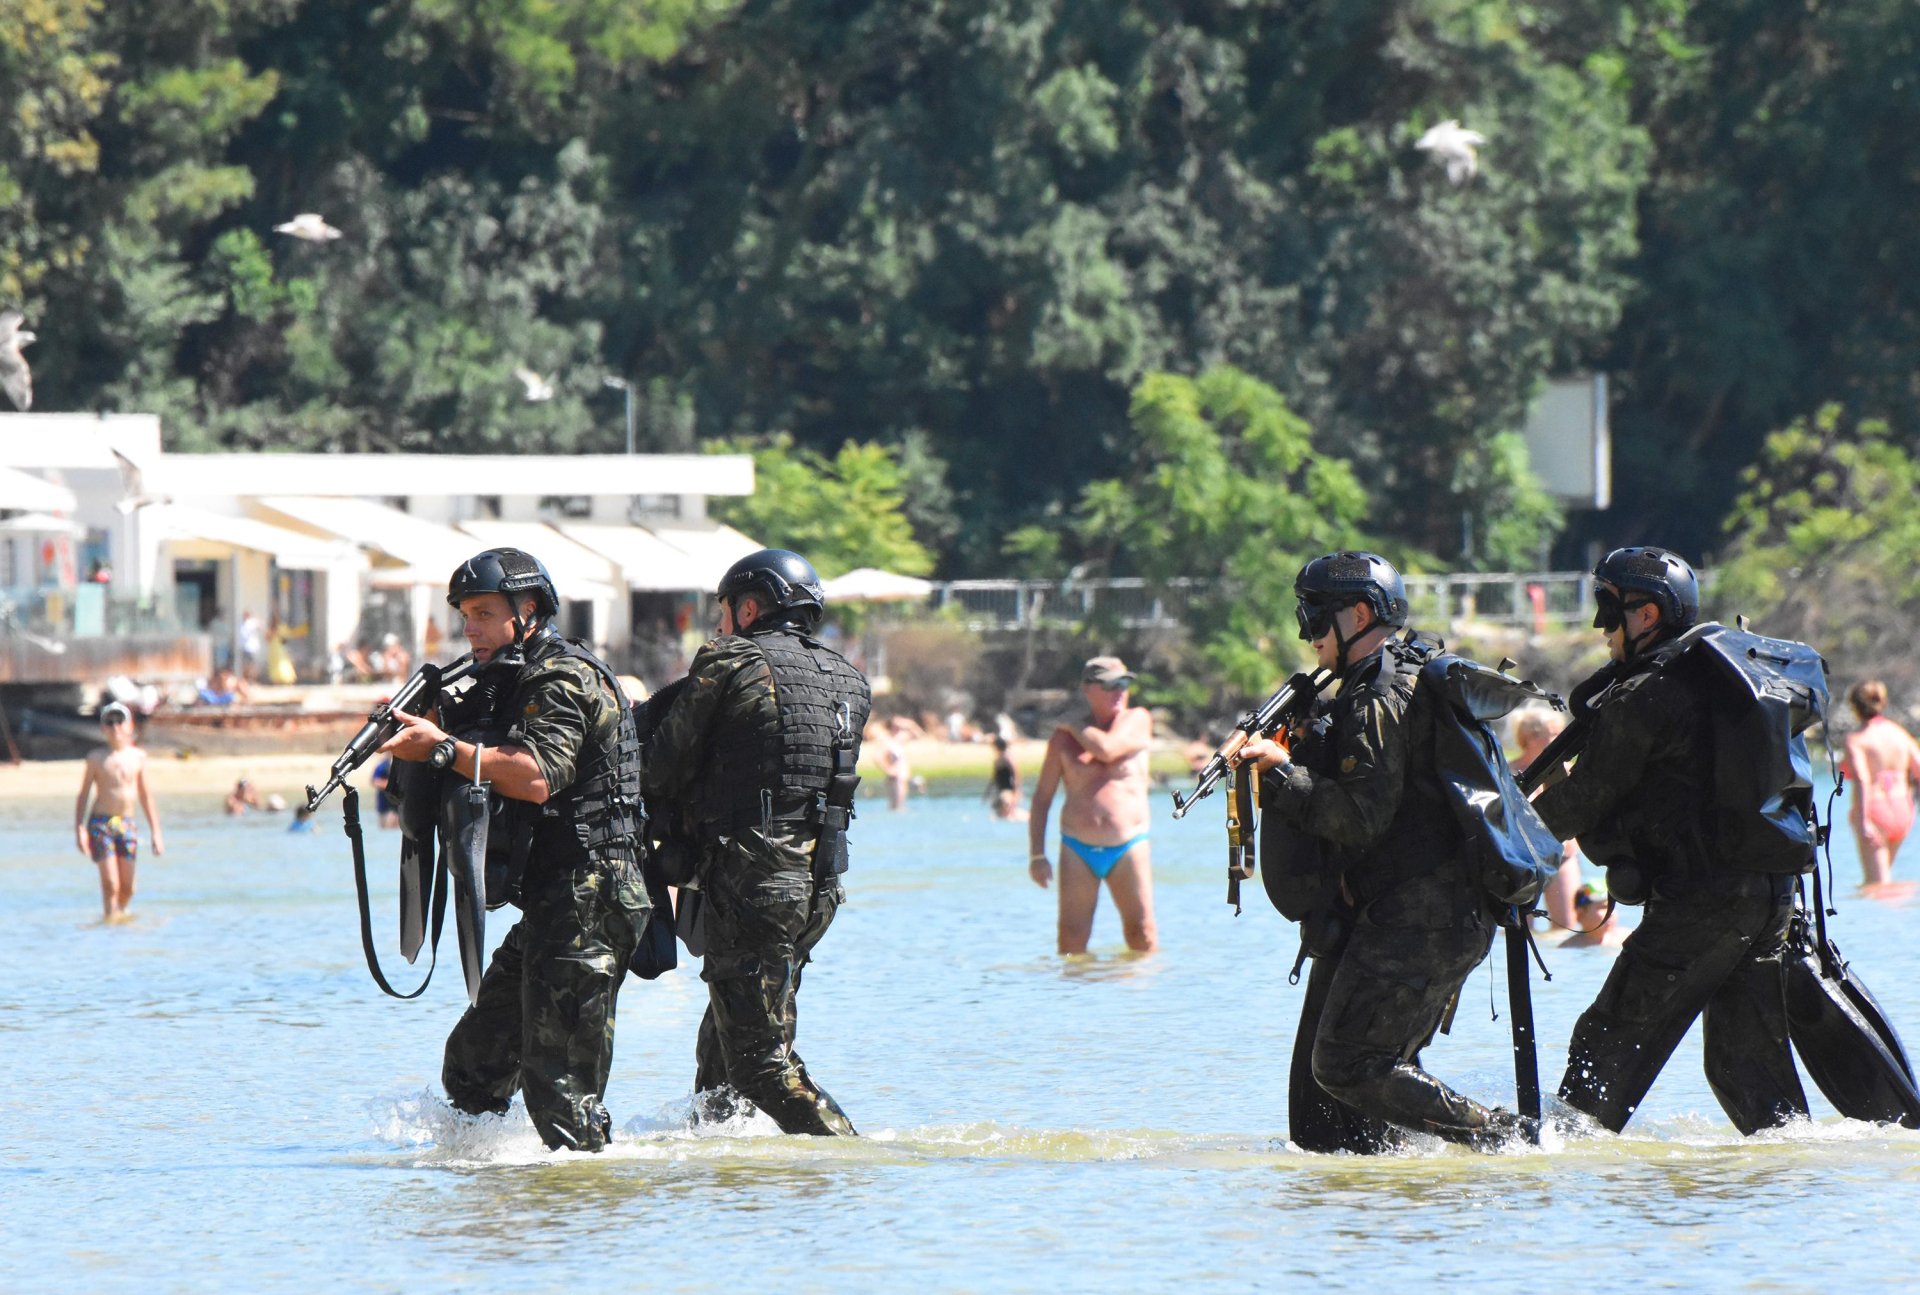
(415, 791)
(464, 828)
(1843, 1037)
(416, 871)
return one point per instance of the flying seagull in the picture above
(136, 483)
(14, 374)
(538, 388)
(309, 225)
(1451, 144)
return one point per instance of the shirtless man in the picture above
(116, 778)
(1103, 824)
(1883, 763)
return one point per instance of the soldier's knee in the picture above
(1346, 1072)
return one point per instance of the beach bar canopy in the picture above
(648, 563)
(23, 490)
(411, 550)
(577, 571)
(666, 558)
(197, 532)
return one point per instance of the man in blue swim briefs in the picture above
(1103, 823)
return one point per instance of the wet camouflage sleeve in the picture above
(562, 704)
(1640, 722)
(728, 672)
(1352, 805)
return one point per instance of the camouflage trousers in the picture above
(1716, 954)
(765, 914)
(544, 1022)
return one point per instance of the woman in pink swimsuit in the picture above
(1884, 763)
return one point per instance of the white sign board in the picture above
(1569, 442)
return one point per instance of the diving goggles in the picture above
(1611, 609)
(1316, 616)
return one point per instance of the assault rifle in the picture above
(417, 693)
(1288, 703)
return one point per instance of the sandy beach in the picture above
(948, 766)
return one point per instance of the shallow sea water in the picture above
(217, 1098)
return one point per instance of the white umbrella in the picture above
(872, 585)
(41, 524)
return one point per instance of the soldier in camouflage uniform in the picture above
(561, 748)
(757, 750)
(1712, 940)
(1402, 923)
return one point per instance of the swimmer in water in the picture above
(1884, 762)
(1003, 788)
(103, 814)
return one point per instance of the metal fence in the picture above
(1536, 600)
(1021, 604)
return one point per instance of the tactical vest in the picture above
(780, 762)
(603, 801)
(597, 817)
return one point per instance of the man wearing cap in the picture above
(103, 827)
(1103, 823)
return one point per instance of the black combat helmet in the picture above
(1337, 580)
(505, 571)
(783, 580)
(1663, 577)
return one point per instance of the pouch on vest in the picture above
(1765, 694)
(1294, 869)
(657, 952)
(1515, 855)
(834, 808)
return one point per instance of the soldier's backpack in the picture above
(1765, 694)
(1514, 854)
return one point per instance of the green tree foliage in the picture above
(988, 220)
(1823, 543)
(840, 513)
(1778, 270)
(1225, 484)
(54, 82)
(967, 229)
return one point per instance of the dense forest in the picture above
(970, 232)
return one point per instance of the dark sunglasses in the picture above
(1611, 610)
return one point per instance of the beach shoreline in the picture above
(948, 767)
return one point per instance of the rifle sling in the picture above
(350, 812)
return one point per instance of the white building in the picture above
(102, 531)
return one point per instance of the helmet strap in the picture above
(1342, 642)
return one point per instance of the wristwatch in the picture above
(443, 753)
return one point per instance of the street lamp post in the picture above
(625, 388)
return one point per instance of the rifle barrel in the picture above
(1264, 722)
(381, 725)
